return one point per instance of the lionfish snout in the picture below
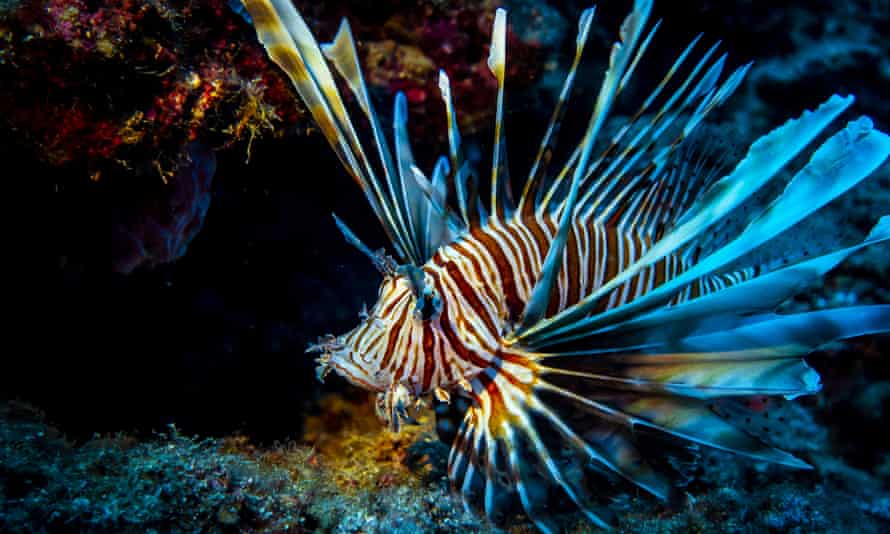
(396, 404)
(337, 355)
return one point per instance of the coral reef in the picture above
(123, 86)
(118, 90)
(121, 91)
(117, 483)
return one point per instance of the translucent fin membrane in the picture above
(536, 438)
(864, 147)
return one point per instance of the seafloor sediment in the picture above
(357, 477)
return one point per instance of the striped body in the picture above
(484, 280)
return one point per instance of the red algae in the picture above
(122, 87)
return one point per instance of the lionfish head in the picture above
(373, 355)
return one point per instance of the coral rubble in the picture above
(373, 482)
(348, 475)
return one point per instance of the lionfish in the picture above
(600, 323)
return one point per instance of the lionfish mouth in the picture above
(337, 356)
(396, 406)
(332, 348)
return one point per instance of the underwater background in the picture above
(169, 391)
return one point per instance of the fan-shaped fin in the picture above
(608, 447)
(670, 392)
(765, 371)
(688, 419)
(631, 123)
(516, 405)
(805, 331)
(841, 162)
(622, 55)
(501, 456)
(527, 436)
(639, 222)
(600, 192)
(620, 177)
(721, 310)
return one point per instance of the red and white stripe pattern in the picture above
(484, 280)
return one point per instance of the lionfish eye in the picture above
(428, 302)
(428, 305)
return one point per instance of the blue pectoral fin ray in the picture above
(724, 309)
(804, 330)
(841, 162)
(764, 159)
